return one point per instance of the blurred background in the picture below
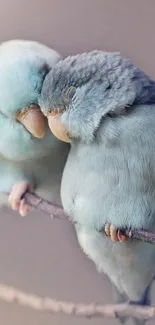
(38, 254)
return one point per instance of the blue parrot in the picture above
(29, 153)
(105, 107)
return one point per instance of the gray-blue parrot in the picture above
(29, 153)
(105, 107)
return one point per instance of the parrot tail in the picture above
(145, 301)
(122, 298)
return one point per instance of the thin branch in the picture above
(10, 294)
(56, 211)
(143, 235)
(46, 304)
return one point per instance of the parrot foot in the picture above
(114, 233)
(15, 198)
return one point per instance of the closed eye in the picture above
(69, 94)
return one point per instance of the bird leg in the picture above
(114, 233)
(15, 198)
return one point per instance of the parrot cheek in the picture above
(33, 120)
(57, 128)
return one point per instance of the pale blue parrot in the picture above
(105, 107)
(29, 153)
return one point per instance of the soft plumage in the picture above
(105, 106)
(24, 158)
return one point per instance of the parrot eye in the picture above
(69, 94)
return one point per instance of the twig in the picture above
(10, 294)
(143, 235)
(46, 304)
(56, 211)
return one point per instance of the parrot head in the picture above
(23, 67)
(82, 90)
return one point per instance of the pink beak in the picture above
(33, 120)
(57, 128)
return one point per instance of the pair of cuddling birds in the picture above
(104, 107)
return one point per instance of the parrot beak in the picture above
(33, 120)
(57, 128)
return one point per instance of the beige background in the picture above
(37, 254)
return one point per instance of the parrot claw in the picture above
(114, 233)
(15, 198)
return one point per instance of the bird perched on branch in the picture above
(105, 107)
(29, 153)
